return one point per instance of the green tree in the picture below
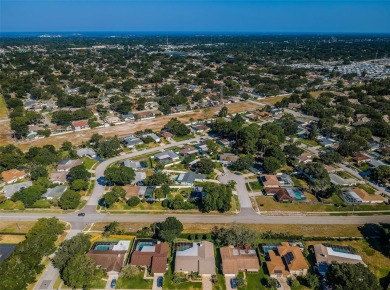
(158, 178)
(20, 127)
(351, 277)
(119, 175)
(236, 234)
(318, 176)
(78, 244)
(29, 195)
(177, 128)
(218, 197)
(80, 272)
(289, 124)
(169, 229)
(70, 199)
(79, 184)
(223, 112)
(381, 173)
(39, 171)
(331, 157)
(133, 201)
(243, 162)
(271, 164)
(111, 228)
(79, 172)
(205, 166)
(313, 281)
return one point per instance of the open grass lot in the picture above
(15, 227)
(11, 239)
(3, 108)
(273, 100)
(269, 204)
(375, 260)
(303, 230)
(141, 206)
(137, 282)
(367, 188)
(255, 185)
(182, 138)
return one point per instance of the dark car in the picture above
(81, 214)
(278, 284)
(233, 283)
(159, 281)
(113, 283)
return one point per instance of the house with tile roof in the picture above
(13, 175)
(196, 257)
(151, 254)
(236, 259)
(286, 261)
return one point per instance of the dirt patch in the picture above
(11, 239)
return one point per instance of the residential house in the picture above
(128, 117)
(111, 261)
(236, 259)
(227, 158)
(57, 192)
(327, 142)
(79, 125)
(269, 181)
(285, 261)
(199, 128)
(189, 178)
(278, 180)
(131, 164)
(139, 177)
(152, 255)
(374, 163)
(67, 164)
(153, 136)
(188, 150)
(11, 189)
(58, 177)
(113, 120)
(145, 116)
(361, 158)
(305, 157)
(13, 175)
(196, 257)
(225, 142)
(338, 180)
(361, 119)
(134, 190)
(357, 195)
(326, 255)
(167, 135)
(86, 152)
(166, 156)
(131, 141)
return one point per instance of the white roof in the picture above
(343, 255)
(122, 245)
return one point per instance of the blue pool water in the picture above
(102, 248)
(184, 248)
(266, 249)
(144, 244)
(298, 195)
(341, 251)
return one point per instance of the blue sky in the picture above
(356, 16)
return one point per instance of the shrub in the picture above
(133, 201)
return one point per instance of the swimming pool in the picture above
(266, 249)
(144, 244)
(103, 247)
(295, 193)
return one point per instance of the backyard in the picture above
(137, 282)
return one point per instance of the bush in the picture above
(133, 201)
(69, 200)
(165, 203)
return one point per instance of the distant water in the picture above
(152, 33)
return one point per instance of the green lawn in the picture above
(89, 163)
(367, 188)
(3, 108)
(137, 282)
(308, 142)
(182, 138)
(255, 185)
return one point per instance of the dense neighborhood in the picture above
(101, 133)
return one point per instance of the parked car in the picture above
(159, 281)
(233, 283)
(113, 283)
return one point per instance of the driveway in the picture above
(155, 276)
(227, 282)
(206, 282)
(283, 283)
(110, 278)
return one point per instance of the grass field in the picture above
(137, 282)
(3, 108)
(15, 227)
(255, 185)
(11, 239)
(89, 163)
(269, 204)
(304, 230)
(274, 100)
(308, 142)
